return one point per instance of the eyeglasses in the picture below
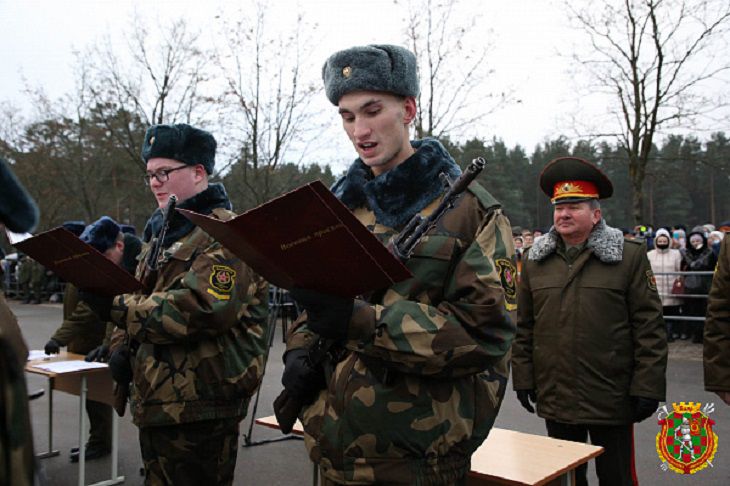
(162, 175)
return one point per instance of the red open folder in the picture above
(307, 238)
(77, 262)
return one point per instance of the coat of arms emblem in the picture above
(686, 443)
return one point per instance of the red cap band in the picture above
(577, 189)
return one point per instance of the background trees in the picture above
(656, 58)
(254, 80)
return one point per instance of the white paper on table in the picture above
(35, 354)
(69, 366)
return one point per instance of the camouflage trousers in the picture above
(197, 453)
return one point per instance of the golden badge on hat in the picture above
(567, 188)
(346, 71)
(152, 140)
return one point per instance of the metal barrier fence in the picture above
(685, 296)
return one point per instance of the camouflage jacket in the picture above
(81, 330)
(717, 328)
(425, 366)
(16, 437)
(201, 331)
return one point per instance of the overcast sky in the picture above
(41, 35)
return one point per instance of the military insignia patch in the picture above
(651, 280)
(221, 280)
(508, 275)
(347, 71)
(686, 443)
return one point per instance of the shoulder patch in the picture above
(507, 275)
(221, 280)
(651, 280)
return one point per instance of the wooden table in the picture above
(514, 458)
(95, 384)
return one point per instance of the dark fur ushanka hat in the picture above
(189, 145)
(18, 211)
(101, 234)
(370, 68)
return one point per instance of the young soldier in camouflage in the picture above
(418, 371)
(83, 331)
(19, 213)
(199, 330)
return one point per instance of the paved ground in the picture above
(286, 463)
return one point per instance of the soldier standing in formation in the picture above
(197, 334)
(19, 214)
(716, 353)
(591, 348)
(422, 366)
(25, 272)
(83, 331)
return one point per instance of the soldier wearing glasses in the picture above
(197, 335)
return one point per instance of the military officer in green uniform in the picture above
(19, 214)
(716, 354)
(197, 333)
(419, 369)
(591, 349)
(83, 331)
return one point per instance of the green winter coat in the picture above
(16, 436)
(201, 333)
(589, 335)
(423, 372)
(81, 329)
(717, 326)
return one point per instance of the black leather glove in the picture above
(100, 304)
(120, 366)
(643, 408)
(52, 347)
(301, 378)
(99, 353)
(328, 315)
(525, 397)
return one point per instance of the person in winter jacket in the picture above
(591, 349)
(665, 259)
(697, 257)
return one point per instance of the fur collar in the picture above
(607, 244)
(398, 194)
(204, 202)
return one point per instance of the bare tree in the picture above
(158, 79)
(266, 106)
(657, 57)
(451, 49)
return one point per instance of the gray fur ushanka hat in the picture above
(378, 67)
(181, 142)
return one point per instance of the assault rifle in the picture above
(148, 279)
(288, 406)
(152, 263)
